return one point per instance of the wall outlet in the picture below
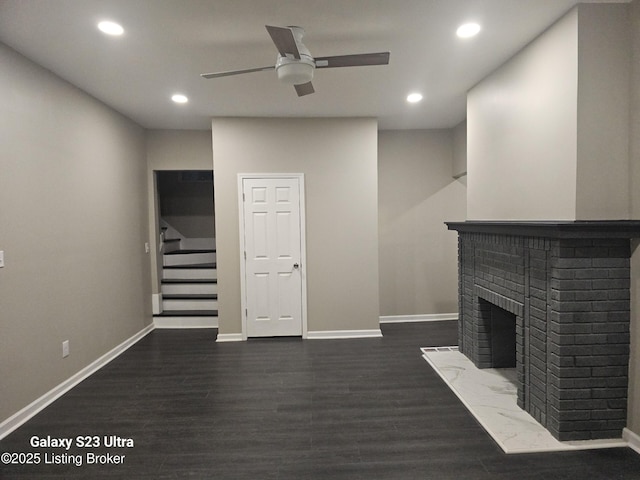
(147, 247)
(65, 349)
(1, 258)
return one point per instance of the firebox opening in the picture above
(502, 338)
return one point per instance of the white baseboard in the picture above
(229, 337)
(337, 334)
(319, 335)
(430, 317)
(16, 420)
(185, 322)
(632, 439)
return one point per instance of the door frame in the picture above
(303, 245)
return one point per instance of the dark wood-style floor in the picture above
(288, 409)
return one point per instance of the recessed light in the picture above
(414, 97)
(468, 30)
(179, 98)
(111, 28)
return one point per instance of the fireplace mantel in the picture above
(553, 229)
(567, 286)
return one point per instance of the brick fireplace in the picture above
(551, 299)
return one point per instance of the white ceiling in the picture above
(168, 43)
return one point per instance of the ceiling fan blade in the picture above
(284, 40)
(236, 72)
(357, 60)
(304, 89)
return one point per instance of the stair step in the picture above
(188, 313)
(189, 287)
(189, 273)
(188, 280)
(190, 252)
(188, 257)
(189, 302)
(186, 319)
(193, 265)
(188, 296)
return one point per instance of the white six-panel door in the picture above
(273, 286)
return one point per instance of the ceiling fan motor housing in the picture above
(295, 71)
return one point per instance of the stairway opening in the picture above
(188, 276)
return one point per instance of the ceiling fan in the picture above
(295, 65)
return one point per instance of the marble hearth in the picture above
(551, 299)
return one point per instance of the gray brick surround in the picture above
(566, 287)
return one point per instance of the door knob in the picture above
(296, 266)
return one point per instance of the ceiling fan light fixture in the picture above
(414, 97)
(295, 72)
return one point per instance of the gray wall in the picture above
(179, 150)
(339, 160)
(416, 195)
(554, 121)
(73, 222)
(521, 132)
(604, 50)
(547, 132)
(459, 167)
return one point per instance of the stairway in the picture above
(189, 289)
